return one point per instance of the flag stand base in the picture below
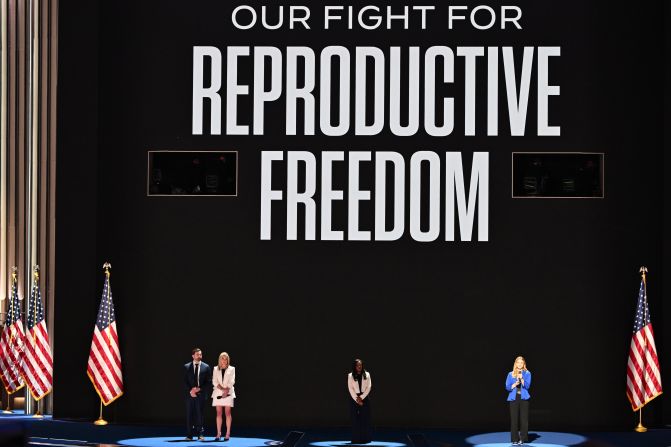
(8, 410)
(640, 428)
(100, 421)
(38, 413)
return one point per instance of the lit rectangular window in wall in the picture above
(191, 173)
(566, 174)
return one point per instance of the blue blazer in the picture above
(205, 378)
(512, 392)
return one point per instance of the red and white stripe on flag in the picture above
(37, 364)
(11, 354)
(644, 381)
(104, 366)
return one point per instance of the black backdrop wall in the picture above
(439, 323)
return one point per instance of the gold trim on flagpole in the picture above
(100, 420)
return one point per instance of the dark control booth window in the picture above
(570, 175)
(186, 173)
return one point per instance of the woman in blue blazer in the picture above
(517, 385)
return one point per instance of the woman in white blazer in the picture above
(359, 385)
(223, 392)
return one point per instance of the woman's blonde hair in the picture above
(524, 368)
(222, 355)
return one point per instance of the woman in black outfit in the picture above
(359, 385)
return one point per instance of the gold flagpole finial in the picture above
(107, 266)
(36, 272)
(643, 270)
(14, 269)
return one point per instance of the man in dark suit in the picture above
(197, 382)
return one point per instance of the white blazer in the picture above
(227, 382)
(353, 386)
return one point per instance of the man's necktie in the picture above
(197, 375)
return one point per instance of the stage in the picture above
(61, 433)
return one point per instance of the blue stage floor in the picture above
(57, 433)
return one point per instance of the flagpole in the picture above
(36, 276)
(106, 266)
(8, 410)
(640, 428)
(100, 420)
(11, 308)
(38, 413)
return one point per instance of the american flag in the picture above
(11, 344)
(37, 364)
(644, 381)
(104, 368)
